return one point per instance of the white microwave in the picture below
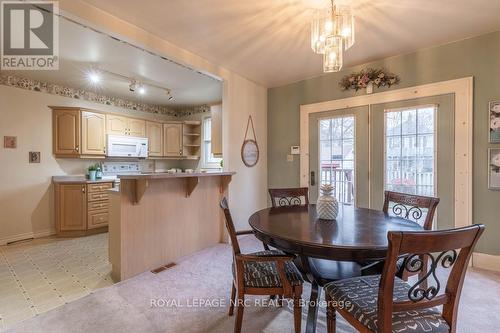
(127, 146)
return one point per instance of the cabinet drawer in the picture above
(99, 187)
(94, 205)
(97, 196)
(97, 219)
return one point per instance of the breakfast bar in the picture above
(157, 218)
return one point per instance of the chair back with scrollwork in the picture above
(289, 196)
(417, 208)
(447, 250)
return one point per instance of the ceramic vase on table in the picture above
(327, 205)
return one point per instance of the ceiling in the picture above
(268, 40)
(81, 50)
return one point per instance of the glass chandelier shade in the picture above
(332, 58)
(332, 27)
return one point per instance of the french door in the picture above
(405, 146)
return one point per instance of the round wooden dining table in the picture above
(356, 235)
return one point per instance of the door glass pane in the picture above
(337, 156)
(409, 150)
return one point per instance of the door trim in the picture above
(463, 91)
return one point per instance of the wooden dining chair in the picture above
(261, 273)
(385, 304)
(411, 207)
(289, 196)
(416, 208)
(281, 197)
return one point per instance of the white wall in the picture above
(242, 97)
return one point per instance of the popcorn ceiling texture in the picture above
(56, 89)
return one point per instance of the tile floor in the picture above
(39, 275)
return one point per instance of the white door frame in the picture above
(463, 90)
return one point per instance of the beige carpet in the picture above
(126, 307)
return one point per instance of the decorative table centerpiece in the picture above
(327, 205)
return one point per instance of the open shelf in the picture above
(192, 139)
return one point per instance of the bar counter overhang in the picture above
(157, 218)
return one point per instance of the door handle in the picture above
(313, 178)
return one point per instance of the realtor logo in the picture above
(30, 35)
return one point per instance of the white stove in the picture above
(110, 170)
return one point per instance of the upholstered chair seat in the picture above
(360, 296)
(265, 274)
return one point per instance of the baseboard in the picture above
(27, 235)
(486, 261)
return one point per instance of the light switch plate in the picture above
(295, 150)
(34, 157)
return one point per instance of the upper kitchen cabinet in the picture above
(154, 133)
(78, 133)
(119, 125)
(216, 130)
(66, 131)
(172, 139)
(93, 133)
(136, 127)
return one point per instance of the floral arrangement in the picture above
(362, 79)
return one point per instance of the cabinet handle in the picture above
(83, 189)
(77, 148)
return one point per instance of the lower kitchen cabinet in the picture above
(81, 208)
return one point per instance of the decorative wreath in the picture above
(360, 80)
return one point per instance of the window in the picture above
(337, 154)
(410, 150)
(209, 161)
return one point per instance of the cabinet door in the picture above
(116, 125)
(72, 207)
(137, 127)
(172, 139)
(93, 133)
(216, 130)
(154, 133)
(66, 132)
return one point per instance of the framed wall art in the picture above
(494, 114)
(250, 148)
(494, 168)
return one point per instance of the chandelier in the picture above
(332, 32)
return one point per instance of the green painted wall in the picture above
(478, 57)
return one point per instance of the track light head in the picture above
(132, 86)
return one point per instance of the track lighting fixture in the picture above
(95, 78)
(132, 86)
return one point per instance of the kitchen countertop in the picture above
(175, 175)
(78, 179)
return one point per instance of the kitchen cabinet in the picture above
(154, 133)
(172, 139)
(66, 132)
(137, 127)
(98, 205)
(81, 207)
(71, 207)
(93, 133)
(119, 125)
(216, 130)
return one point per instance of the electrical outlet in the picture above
(289, 158)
